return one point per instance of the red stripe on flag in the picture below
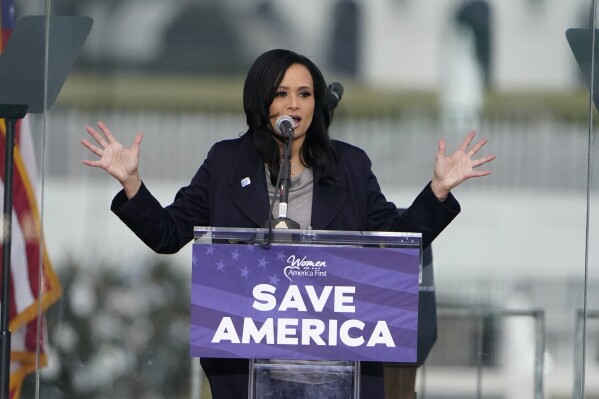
(5, 35)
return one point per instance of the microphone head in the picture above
(336, 90)
(335, 94)
(284, 126)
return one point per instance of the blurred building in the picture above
(519, 44)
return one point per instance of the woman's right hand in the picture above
(120, 162)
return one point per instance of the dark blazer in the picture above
(216, 197)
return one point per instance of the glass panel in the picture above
(587, 343)
(260, 236)
(33, 285)
(583, 44)
(292, 379)
(509, 278)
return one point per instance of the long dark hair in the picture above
(261, 84)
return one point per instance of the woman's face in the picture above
(295, 98)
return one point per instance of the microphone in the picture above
(284, 126)
(335, 94)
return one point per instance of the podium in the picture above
(307, 308)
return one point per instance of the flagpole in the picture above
(10, 113)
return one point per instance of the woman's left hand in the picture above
(451, 170)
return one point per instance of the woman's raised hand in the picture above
(120, 162)
(451, 170)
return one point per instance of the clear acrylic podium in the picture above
(306, 308)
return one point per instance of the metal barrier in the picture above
(481, 314)
(579, 350)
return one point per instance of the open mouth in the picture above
(296, 119)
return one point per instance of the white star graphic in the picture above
(220, 266)
(274, 280)
(262, 263)
(244, 272)
(235, 255)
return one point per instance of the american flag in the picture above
(34, 285)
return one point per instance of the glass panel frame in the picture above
(523, 243)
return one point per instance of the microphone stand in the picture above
(284, 182)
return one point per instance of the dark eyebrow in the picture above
(300, 88)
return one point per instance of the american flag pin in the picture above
(245, 182)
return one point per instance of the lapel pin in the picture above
(245, 182)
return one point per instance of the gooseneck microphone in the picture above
(284, 126)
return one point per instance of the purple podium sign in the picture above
(304, 302)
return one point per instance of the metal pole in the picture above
(6, 250)
(196, 379)
(479, 357)
(578, 355)
(11, 113)
(539, 353)
(422, 372)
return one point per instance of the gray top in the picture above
(300, 198)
